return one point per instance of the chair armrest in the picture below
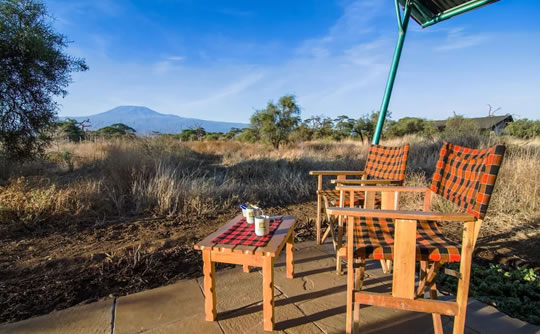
(390, 188)
(336, 172)
(401, 214)
(363, 182)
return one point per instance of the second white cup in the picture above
(262, 225)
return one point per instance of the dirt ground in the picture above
(55, 266)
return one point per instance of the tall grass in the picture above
(164, 177)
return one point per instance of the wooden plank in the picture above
(418, 305)
(404, 259)
(244, 249)
(224, 248)
(254, 260)
(336, 172)
(403, 214)
(207, 242)
(477, 226)
(437, 321)
(278, 240)
(350, 277)
(379, 189)
(465, 271)
(340, 181)
(289, 256)
(209, 270)
(389, 200)
(319, 209)
(427, 200)
(369, 201)
(268, 293)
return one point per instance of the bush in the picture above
(515, 292)
(523, 128)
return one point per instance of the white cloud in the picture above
(176, 58)
(458, 39)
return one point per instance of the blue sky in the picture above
(221, 60)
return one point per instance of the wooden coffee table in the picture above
(247, 256)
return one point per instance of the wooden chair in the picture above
(385, 165)
(463, 176)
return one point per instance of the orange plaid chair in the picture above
(384, 165)
(466, 177)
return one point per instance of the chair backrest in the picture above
(387, 163)
(466, 176)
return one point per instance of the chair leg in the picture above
(464, 281)
(437, 321)
(383, 266)
(318, 221)
(350, 298)
(330, 228)
(339, 270)
(359, 271)
(422, 279)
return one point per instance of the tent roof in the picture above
(428, 12)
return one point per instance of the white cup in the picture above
(250, 213)
(262, 225)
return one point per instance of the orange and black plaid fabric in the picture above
(332, 195)
(383, 163)
(466, 176)
(387, 163)
(374, 239)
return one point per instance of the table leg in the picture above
(268, 292)
(246, 268)
(290, 256)
(209, 270)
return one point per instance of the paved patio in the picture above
(313, 302)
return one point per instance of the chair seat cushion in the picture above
(374, 239)
(332, 196)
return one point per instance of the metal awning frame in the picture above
(425, 18)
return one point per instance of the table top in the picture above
(272, 248)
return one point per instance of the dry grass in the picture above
(164, 177)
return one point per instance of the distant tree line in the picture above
(279, 122)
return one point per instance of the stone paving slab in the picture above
(173, 307)
(312, 302)
(95, 318)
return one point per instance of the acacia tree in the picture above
(276, 122)
(33, 71)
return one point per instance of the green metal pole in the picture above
(393, 69)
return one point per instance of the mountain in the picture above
(145, 120)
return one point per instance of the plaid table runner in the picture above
(242, 233)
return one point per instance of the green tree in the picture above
(319, 126)
(523, 128)
(116, 130)
(410, 126)
(460, 126)
(344, 127)
(248, 135)
(233, 132)
(33, 71)
(192, 134)
(69, 129)
(276, 122)
(365, 125)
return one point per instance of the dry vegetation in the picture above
(122, 215)
(165, 177)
